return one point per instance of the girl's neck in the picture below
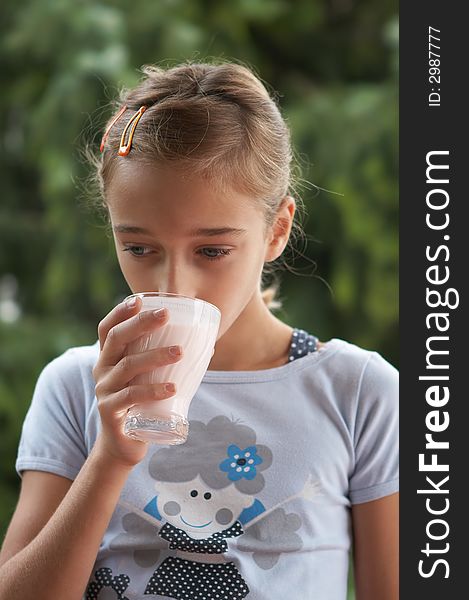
(256, 340)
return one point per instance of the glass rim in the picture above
(170, 294)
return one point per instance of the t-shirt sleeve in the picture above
(376, 433)
(52, 437)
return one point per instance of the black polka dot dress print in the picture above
(105, 580)
(188, 580)
(215, 544)
(184, 579)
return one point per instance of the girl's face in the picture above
(175, 233)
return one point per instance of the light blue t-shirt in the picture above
(256, 504)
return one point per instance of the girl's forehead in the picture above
(163, 182)
(142, 194)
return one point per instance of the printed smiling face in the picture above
(198, 509)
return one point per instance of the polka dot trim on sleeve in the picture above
(302, 343)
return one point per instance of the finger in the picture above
(124, 332)
(116, 405)
(119, 313)
(135, 364)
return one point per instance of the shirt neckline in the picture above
(328, 348)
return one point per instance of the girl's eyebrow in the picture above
(210, 231)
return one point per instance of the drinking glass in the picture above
(193, 324)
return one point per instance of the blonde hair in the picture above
(217, 121)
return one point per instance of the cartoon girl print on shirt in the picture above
(205, 492)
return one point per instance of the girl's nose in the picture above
(178, 280)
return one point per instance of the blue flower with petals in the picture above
(241, 463)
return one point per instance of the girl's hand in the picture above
(114, 372)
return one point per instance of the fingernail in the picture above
(175, 350)
(159, 313)
(131, 302)
(170, 387)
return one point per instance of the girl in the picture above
(292, 453)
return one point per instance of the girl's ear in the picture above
(280, 229)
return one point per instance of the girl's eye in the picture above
(132, 249)
(208, 253)
(215, 253)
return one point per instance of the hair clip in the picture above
(125, 148)
(110, 126)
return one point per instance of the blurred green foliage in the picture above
(334, 66)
